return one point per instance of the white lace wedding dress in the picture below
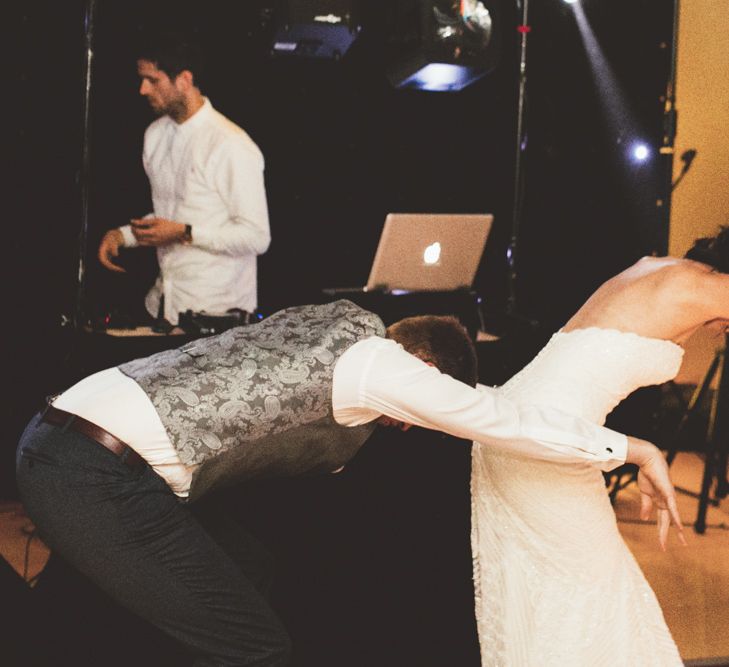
(555, 583)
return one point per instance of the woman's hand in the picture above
(656, 488)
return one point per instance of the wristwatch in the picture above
(187, 236)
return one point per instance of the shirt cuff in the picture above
(615, 448)
(129, 240)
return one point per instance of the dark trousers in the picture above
(187, 569)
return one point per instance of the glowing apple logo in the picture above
(432, 253)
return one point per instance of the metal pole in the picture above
(521, 146)
(670, 120)
(84, 172)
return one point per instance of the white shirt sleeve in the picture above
(236, 173)
(377, 377)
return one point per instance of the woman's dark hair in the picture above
(712, 250)
(172, 52)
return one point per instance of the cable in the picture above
(26, 560)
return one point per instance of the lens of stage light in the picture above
(438, 77)
(640, 152)
(443, 45)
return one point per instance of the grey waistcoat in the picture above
(256, 400)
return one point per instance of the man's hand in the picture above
(109, 250)
(656, 488)
(157, 231)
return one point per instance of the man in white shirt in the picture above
(210, 215)
(113, 489)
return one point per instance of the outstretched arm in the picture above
(386, 380)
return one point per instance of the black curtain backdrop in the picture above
(343, 148)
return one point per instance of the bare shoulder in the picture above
(679, 277)
(672, 264)
(689, 272)
(668, 270)
(697, 286)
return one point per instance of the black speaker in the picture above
(315, 28)
(442, 45)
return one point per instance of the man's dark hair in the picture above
(172, 52)
(712, 250)
(441, 340)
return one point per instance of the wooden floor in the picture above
(18, 545)
(692, 583)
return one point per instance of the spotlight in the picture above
(441, 44)
(570, 2)
(640, 152)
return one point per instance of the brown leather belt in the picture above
(65, 419)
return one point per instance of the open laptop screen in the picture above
(429, 251)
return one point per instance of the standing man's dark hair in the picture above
(172, 52)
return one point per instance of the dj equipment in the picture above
(202, 324)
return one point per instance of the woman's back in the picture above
(657, 297)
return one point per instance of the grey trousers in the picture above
(188, 569)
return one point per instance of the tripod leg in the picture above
(700, 523)
(696, 400)
(713, 452)
(722, 429)
(722, 484)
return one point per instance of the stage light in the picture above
(640, 152)
(437, 77)
(322, 29)
(570, 2)
(441, 45)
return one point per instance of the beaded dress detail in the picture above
(555, 583)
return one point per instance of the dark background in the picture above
(375, 564)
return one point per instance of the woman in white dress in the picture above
(555, 583)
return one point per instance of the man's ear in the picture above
(185, 80)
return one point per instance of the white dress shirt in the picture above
(374, 377)
(208, 173)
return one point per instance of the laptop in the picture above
(422, 252)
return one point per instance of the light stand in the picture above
(84, 174)
(521, 147)
(670, 118)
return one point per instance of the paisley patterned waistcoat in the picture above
(256, 400)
